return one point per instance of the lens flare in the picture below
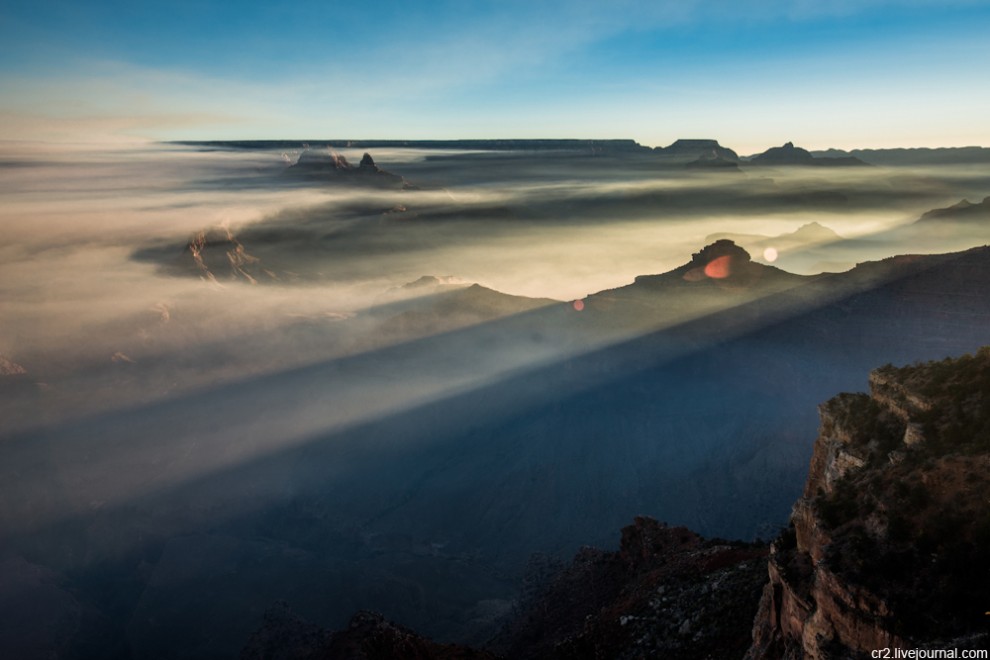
(719, 268)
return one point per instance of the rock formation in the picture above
(714, 163)
(914, 156)
(328, 165)
(788, 154)
(587, 146)
(216, 254)
(368, 636)
(891, 538)
(693, 149)
(666, 593)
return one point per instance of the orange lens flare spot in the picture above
(578, 305)
(719, 268)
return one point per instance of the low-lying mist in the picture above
(410, 390)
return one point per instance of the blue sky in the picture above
(750, 73)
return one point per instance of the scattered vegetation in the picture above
(959, 393)
(919, 525)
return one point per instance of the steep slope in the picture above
(891, 538)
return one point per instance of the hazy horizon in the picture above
(842, 74)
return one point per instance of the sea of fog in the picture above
(165, 422)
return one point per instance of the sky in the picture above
(750, 73)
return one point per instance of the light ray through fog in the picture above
(204, 356)
(183, 440)
(234, 374)
(68, 234)
(217, 430)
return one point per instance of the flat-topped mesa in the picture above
(693, 149)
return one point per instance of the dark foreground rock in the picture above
(286, 636)
(667, 592)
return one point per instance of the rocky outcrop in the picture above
(723, 262)
(896, 396)
(369, 636)
(328, 165)
(666, 593)
(892, 509)
(216, 254)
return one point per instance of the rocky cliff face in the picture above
(889, 541)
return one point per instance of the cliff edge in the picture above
(889, 545)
